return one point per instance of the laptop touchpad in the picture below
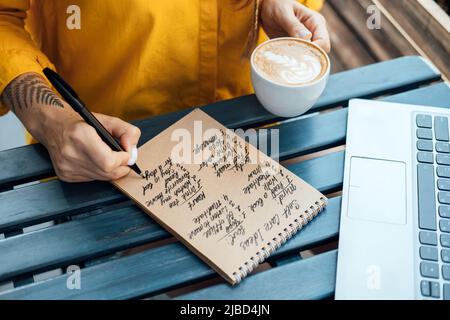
(377, 190)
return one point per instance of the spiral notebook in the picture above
(229, 203)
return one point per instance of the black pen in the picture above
(74, 101)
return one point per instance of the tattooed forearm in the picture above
(24, 92)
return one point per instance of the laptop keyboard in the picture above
(433, 182)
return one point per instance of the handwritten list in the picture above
(225, 200)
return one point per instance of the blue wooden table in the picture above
(96, 228)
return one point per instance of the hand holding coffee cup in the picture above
(289, 75)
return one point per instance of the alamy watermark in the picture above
(374, 20)
(73, 21)
(223, 147)
(73, 281)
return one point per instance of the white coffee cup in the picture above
(287, 100)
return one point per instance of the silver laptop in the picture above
(395, 221)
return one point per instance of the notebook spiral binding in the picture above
(278, 241)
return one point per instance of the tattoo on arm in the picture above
(22, 93)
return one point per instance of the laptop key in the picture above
(426, 196)
(445, 240)
(426, 134)
(444, 197)
(445, 255)
(426, 237)
(444, 225)
(444, 211)
(425, 288)
(429, 253)
(429, 270)
(443, 159)
(444, 184)
(443, 147)
(441, 128)
(425, 145)
(435, 292)
(424, 121)
(446, 271)
(425, 157)
(447, 291)
(443, 172)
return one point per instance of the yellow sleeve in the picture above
(18, 53)
(313, 4)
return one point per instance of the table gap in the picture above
(131, 251)
(313, 155)
(210, 282)
(319, 249)
(50, 221)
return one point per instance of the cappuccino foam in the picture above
(290, 62)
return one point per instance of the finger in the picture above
(321, 37)
(127, 133)
(88, 175)
(323, 41)
(129, 136)
(72, 159)
(78, 172)
(316, 23)
(133, 156)
(72, 177)
(66, 175)
(112, 162)
(101, 155)
(292, 25)
(119, 173)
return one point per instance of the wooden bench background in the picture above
(408, 27)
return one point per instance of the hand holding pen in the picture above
(77, 150)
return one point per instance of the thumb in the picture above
(129, 141)
(130, 136)
(294, 27)
(127, 133)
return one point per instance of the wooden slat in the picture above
(101, 234)
(370, 81)
(299, 137)
(311, 278)
(23, 164)
(161, 269)
(437, 95)
(49, 200)
(312, 134)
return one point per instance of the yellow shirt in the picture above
(132, 58)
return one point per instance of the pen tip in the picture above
(142, 176)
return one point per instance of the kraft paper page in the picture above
(226, 201)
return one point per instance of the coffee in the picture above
(290, 62)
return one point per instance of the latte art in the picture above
(293, 70)
(290, 62)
